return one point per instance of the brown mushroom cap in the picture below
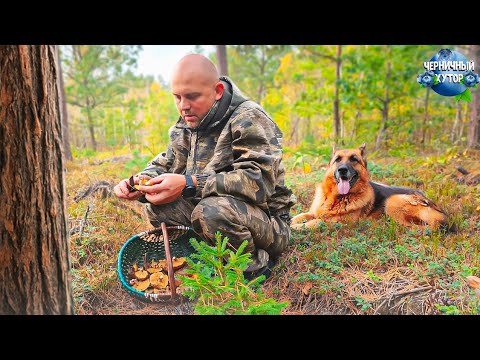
(142, 285)
(159, 280)
(141, 275)
(178, 262)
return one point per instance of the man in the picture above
(223, 168)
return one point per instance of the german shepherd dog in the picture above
(347, 193)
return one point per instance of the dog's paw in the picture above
(301, 218)
(299, 226)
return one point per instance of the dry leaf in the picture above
(306, 288)
(473, 282)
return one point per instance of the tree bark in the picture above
(425, 118)
(462, 123)
(336, 99)
(34, 253)
(263, 66)
(473, 138)
(294, 131)
(222, 59)
(384, 123)
(91, 127)
(63, 101)
(353, 134)
(456, 124)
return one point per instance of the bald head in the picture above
(195, 86)
(197, 68)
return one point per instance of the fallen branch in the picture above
(462, 170)
(399, 293)
(104, 187)
(82, 225)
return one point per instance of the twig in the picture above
(462, 170)
(84, 221)
(411, 291)
(390, 296)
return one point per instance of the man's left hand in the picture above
(164, 188)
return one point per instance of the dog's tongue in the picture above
(343, 187)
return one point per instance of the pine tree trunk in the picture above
(353, 134)
(462, 123)
(34, 254)
(342, 128)
(63, 101)
(91, 128)
(294, 131)
(222, 60)
(425, 118)
(336, 99)
(473, 138)
(456, 124)
(384, 123)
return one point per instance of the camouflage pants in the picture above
(235, 219)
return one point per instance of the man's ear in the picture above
(219, 89)
(363, 153)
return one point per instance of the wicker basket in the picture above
(156, 244)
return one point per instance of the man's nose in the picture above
(185, 105)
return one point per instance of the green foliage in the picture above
(96, 78)
(465, 96)
(135, 165)
(160, 113)
(295, 84)
(83, 153)
(219, 284)
(448, 310)
(254, 67)
(362, 303)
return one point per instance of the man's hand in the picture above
(122, 190)
(164, 188)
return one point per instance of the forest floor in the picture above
(370, 267)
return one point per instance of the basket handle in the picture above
(168, 255)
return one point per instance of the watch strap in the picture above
(189, 180)
(201, 180)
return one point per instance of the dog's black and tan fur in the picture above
(347, 193)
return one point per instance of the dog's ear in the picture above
(334, 150)
(363, 153)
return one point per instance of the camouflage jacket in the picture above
(235, 151)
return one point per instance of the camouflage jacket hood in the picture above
(220, 111)
(235, 151)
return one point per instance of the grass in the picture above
(369, 267)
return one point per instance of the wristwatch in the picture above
(190, 190)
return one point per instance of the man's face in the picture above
(193, 99)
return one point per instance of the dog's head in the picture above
(347, 167)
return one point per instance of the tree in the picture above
(63, 102)
(96, 78)
(473, 140)
(34, 252)
(391, 70)
(255, 66)
(222, 59)
(337, 59)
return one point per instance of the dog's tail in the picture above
(415, 208)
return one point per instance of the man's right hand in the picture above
(122, 190)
